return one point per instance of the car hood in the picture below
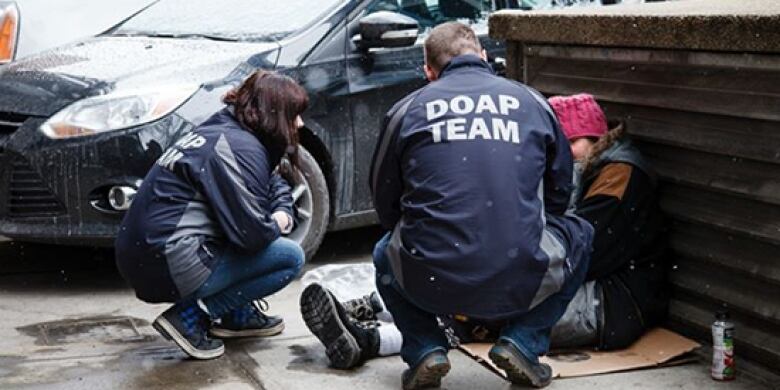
(43, 84)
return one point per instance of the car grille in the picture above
(10, 122)
(28, 195)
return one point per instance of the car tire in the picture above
(312, 205)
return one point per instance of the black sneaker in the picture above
(519, 369)
(188, 328)
(346, 343)
(428, 372)
(247, 321)
(364, 308)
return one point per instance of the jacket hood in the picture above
(43, 84)
(623, 150)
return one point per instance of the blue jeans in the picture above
(240, 278)
(422, 334)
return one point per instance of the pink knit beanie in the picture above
(579, 115)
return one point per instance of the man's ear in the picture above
(430, 73)
(483, 55)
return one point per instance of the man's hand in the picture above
(284, 221)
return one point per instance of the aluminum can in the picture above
(723, 348)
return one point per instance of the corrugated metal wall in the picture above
(710, 124)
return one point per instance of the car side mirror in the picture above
(387, 29)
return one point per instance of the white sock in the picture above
(390, 340)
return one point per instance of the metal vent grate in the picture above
(10, 122)
(28, 195)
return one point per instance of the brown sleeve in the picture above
(612, 181)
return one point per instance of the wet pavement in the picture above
(68, 321)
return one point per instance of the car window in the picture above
(429, 13)
(546, 4)
(227, 19)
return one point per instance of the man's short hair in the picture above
(447, 41)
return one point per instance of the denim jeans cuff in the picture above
(425, 354)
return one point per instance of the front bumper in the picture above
(50, 189)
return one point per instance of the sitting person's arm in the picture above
(611, 204)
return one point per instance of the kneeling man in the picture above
(472, 176)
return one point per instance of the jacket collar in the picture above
(463, 62)
(624, 151)
(275, 151)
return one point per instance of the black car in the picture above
(81, 125)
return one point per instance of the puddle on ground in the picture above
(313, 360)
(146, 367)
(147, 362)
(249, 345)
(104, 329)
(8, 363)
(168, 368)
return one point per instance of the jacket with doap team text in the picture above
(473, 175)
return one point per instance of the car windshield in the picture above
(239, 20)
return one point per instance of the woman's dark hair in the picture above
(267, 104)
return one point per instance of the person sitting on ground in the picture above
(618, 196)
(472, 175)
(625, 294)
(203, 231)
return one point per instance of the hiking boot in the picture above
(247, 321)
(347, 342)
(364, 308)
(188, 328)
(519, 369)
(428, 372)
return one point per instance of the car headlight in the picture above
(9, 30)
(115, 111)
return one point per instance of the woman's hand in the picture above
(284, 221)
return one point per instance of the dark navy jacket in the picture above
(473, 175)
(214, 188)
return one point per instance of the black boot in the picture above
(427, 373)
(364, 308)
(347, 343)
(520, 370)
(247, 321)
(187, 326)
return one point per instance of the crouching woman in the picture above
(204, 231)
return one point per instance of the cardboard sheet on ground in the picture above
(658, 347)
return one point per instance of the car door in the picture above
(321, 70)
(381, 76)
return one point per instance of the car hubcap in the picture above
(304, 207)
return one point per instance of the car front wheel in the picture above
(312, 205)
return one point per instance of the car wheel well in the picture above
(317, 149)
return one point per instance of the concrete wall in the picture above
(708, 117)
